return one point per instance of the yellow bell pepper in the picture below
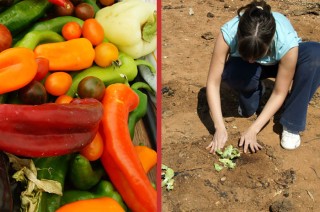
(131, 25)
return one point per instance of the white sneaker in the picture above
(290, 140)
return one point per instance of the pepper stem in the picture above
(146, 63)
(139, 85)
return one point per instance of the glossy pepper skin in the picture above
(82, 174)
(119, 158)
(52, 168)
(124, 71)
(20, 15)
(33, 38)
(103, 189)
(71, 55)
(49, 129)
(137, 113)
(17, 68)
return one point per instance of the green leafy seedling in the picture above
(168, 174)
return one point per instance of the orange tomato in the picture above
(105, 54)
(64, 99)
(93, 31)
(71, 30)
(93, 150)
(106, 2)
(58, 83)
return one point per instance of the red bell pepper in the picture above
(119, 157)
(49, 129)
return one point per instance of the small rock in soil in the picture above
(210, 15)
(207, 36)
(281, 206)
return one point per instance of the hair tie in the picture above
(259, 7)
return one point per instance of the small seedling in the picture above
(226, 158)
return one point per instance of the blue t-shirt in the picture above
(284, 39)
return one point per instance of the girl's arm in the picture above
(283, 81)
(218, 60)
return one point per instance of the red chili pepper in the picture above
(62, 3)
(48, 129)
(119, 158)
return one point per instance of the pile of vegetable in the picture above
(70, 97)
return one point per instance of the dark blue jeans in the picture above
(246, 78)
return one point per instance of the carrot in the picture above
(102, 204)
(147, 156)
(71, 55)
(18, 67)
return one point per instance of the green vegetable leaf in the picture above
(168, 175)
(217, 167)
(228, 163)
(149, 29)
(226, 157)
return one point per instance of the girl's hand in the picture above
(220, 138)
(249, 139)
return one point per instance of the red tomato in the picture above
(71, 30)
(43, 68)
(5, 38)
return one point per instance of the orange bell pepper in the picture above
(119, 158)
(18, 67)
(71, 55)
(102, 204)
(147, 156)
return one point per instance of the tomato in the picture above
(84, 11)
(64, 99)
(71, 30)
(93, 31)
(64, 11)
(106, 2)
(58, 83)
(105, 54)
(43, 68)
(93, 150)
(33, 94)
(5, 38)
(91, 87)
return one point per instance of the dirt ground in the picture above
(273, 179)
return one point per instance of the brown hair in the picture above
(255, 30)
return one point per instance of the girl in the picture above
(255, 45)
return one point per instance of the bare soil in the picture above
(273, 179)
